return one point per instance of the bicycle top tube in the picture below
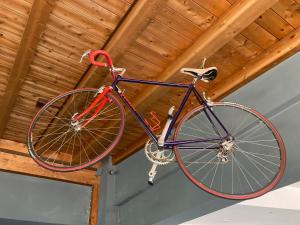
(150, 82)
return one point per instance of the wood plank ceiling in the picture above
(152, 39)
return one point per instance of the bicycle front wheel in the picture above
(57, 143)
(247, 165)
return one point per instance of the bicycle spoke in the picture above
(202, 167)
(270, 162)
(215, 172)
(54, 153)
(268, 146)
(251, 160)
(272, 172)
(234, 159)
(255, 153)
(53, 141)
(199, 130)
(197, 151)
(209, 171)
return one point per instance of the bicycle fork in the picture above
(103, 91)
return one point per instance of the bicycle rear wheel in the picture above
(247, 166)
(57, 143)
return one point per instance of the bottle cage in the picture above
(155, 122)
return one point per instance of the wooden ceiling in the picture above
(41, 42)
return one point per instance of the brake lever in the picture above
(86, 53)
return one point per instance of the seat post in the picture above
(195, 80)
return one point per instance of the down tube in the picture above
(138, 116)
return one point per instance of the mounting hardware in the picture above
(113, 172)
(155, 121)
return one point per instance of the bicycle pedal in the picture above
(150, 182)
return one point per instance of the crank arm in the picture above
(152, 173)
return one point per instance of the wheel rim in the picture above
(57, 143)
(250, 171)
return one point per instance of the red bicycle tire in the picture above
(229, 196)
(90, 163)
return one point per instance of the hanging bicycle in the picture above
(226, 149)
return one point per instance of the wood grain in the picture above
(36, 23)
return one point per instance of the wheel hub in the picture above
(75, 124)
(226, 149)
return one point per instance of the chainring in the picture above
(152, 150)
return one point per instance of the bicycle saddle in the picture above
(207, 74)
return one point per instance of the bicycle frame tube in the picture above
(190, 88)
(132, 108)
(183, 143)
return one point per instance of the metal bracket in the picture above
(155, 121)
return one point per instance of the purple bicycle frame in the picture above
(190, 88)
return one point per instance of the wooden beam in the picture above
(23, 164)
(13, 147)
(284, 48)
(129, 29)
(95, 204)
(36, 23)
(237, 18)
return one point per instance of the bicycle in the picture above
(226, 149)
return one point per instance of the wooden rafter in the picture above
(286, 47)
(95, 204)
(131, 26)
(36, 23)
(14, 158)
(131, 150)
